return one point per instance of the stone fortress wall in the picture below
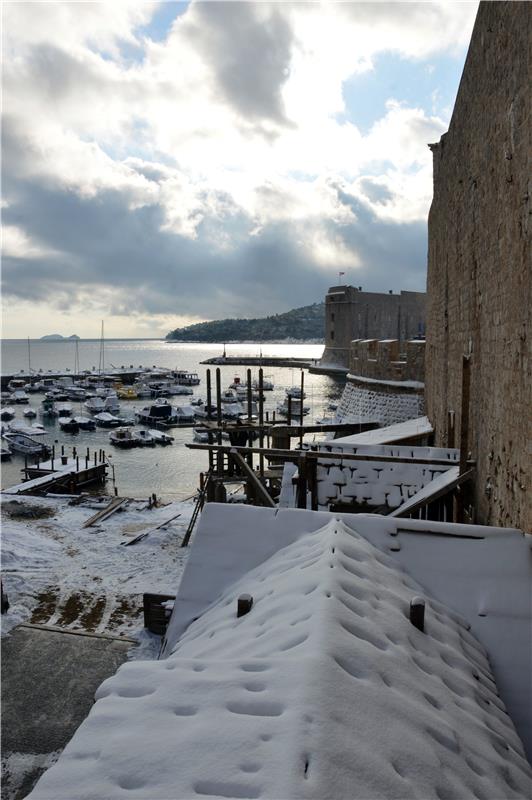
(351, 314)
(479, 269)
(384, 383)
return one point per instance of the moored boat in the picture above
(48, 408)
(30, 413)
(123, 437)
(95, 405)
(20, 397)
(69, 425)
(106, 420)
(161, 437)
(7, 413)
(21, 443)
(85, 423)
(64, 410)
(143, 438)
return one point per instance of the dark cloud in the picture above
(106, 245)
(375, 191)
(248, 47)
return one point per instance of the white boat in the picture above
(295, 408)
(21, 443)
(143, 438)
(184, 414)
(85, 423)
(95, 405)
(186, 378)
(267, 385)
(201, 435)
(64, 409)
(106, 420)
(17, 383)
(124, 438)
(111, 404)
(196, 402)
(7, 413)
(160, 437)
(17, 426)
(20, 397)
(30, 413)
(69, 425)
(295, 392)
(76, 393)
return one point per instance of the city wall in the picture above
(479, 269)
(385, 381)
(352, 314)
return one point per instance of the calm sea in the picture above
(171, 472)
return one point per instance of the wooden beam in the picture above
(246, 469)
(293, 455)
(422, 498)
(109, 509)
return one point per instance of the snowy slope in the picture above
(324, 690)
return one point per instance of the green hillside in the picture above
(300, 324)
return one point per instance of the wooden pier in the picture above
(63, 474)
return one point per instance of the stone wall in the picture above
(479, 271)
(383, 402)
(351, 314)
(386, 359)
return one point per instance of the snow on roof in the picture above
(324, 689)
(483, 573)
(392, 433)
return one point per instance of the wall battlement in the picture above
(388, 359)
(352, 314)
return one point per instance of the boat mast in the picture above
(76, 358)
(101, 363)
(29, 356)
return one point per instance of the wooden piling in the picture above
(301, 407)
(261, 419)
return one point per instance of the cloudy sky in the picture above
(165, 163)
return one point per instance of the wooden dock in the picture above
(62, 474)
(262, 361)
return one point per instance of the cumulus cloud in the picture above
(136, 171)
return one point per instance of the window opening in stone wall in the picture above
(332, 334)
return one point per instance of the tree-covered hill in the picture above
(300, 324)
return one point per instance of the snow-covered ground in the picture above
(324, 689)
(56, 572)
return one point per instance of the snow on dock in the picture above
(325, 688)
(410, 430)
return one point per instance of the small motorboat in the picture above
(295, 392)
(48, 409)
(143, 438)
(21, 443)
(20, 397)
(37, 429)
(124, 438)
(64, 410)
(95, 405)
(69, 425)
(196, 402)
(29, 413)
(77, 393)
(85, 423)
(267, 385)
(111, 404)
(7, 414)
(160, 437)
(201, 435)
(106, 420)
(18, 426)
(126, 393)
(185, 415)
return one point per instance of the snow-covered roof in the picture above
(324, 689)
(420, 426)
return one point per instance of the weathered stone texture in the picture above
(353, 314)
(479, 273)
(384, 403)
(384, 361)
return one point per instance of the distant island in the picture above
(300, 324)
(56, 337)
